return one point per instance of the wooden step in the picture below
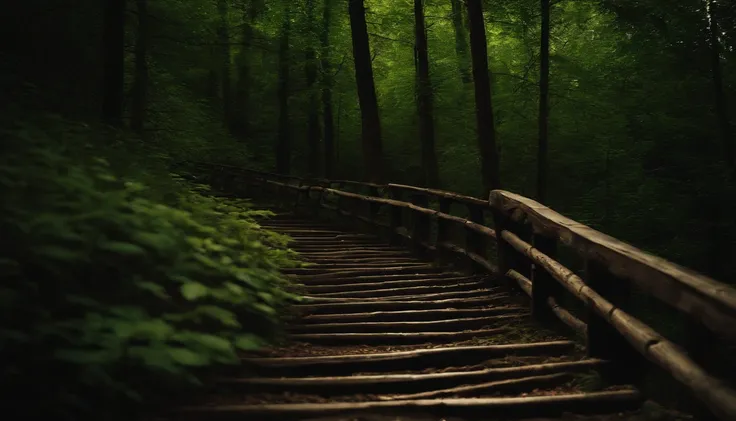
(411, 315)
(367, 306)
(450, 325)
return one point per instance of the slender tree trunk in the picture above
(461, 40)
(283, 147)
(721, 103)
(140, 84)
(483, 104)
(241, 104)
(314, 130)
(113, 52)
(327, 82)
(223, 36)
(425, 100)
(542, 152)
(371, 126)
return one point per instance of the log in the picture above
(404, 383)
(480, 260)
(464, 294)
(391, 338)
(511, 385)
(521, 407)
(408, 315)
(711, 302)
(425, 326)
(367, 306)
(407, 290)
(442, 194)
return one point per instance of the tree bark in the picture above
(483, 103)
(721, 104)
(371, 126)
(113, 51)
(327, 83)
(314, 131)
(223, 35)
(461, 40)
(542, 151)
(425, 100)
(140, 84)
(283, 147)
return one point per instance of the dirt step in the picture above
(411, 315)
(513, 407)
(400, 383)
(379, 261)
(328, 286)
(391, 289)
(395, 338)
(321, 273)
(367, 306)
(445, 276)
(401, 360)
(347, 266)
(428, 326)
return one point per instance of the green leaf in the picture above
(187, 357)
(155, 289)
(249, 342)
(194, 290)
(226, 317)
(58, 253)
(123, 248)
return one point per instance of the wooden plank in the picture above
(443, 194)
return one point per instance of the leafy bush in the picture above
(106, 292)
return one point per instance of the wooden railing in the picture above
(526, 236)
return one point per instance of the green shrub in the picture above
(107, 292)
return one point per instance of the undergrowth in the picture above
(115, 292)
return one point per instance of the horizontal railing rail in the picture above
(526, 236)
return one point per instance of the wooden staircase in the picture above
(385, 335)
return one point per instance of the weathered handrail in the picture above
(527, 235)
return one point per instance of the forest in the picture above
(617, 113)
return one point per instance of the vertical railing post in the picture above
(421, 224)
(508, 257)
(396, 218)
(443, 231)
(475, 242)
(544, 286)
(373, 207)
(603, 340)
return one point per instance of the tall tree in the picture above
(241, 103)
(327, 82)
(371, 125)
(310, 69)
(486, 126)
(461, 40)
(140, 82)
(425, 98)
(721, 103)
(223, 38)
(283, 147)
(542, 149)
(113, 51)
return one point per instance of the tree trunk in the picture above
(371, 127)
(310, 68)
(483, 104)
(241, 104)
(721, 103)
(327, 82)
(283, 147)
(223, 37)
(461, 40)
(542, 152)
(425, 100)
(140, 84)
(113, 52)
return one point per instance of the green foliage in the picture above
(107, 291)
